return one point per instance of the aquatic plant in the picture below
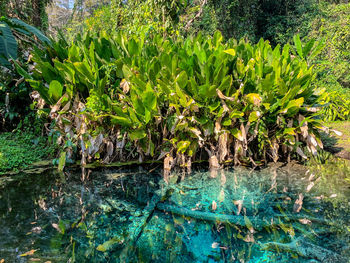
(120, 98)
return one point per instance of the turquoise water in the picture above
(120, 215)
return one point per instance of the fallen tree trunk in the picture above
(305, 249)
(256, 222)
(148, 213)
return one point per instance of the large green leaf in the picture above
(55, 90)
(8, 44)
(18, 24)
(298, 46)
(149, 100)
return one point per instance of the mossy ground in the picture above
(20, 150)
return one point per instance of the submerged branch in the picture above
(305, 249)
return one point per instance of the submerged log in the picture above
(305, 249)
(256, 222)
(148, 213)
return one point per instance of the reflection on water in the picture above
(236, 215)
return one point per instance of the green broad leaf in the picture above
(254, 98)
(307, 48)
(236, 114)
(66, 71)
(85, 71)
(182, 80)
(226, 83)
(227, 122)
(127, 72)
(30, 29)
(55, 90)
(293, 104)
(182, 146)
(123, 121)
(137, 134)
(254, 116)
(149, 100)
(212, 107)
(148, 116)
(298, 46)
(62, 161)
(151, 148)
(231, 52)
(74, 53)
(8, 44)
(133, 47)
(237, 134)
(289, 131)
(192, 148)
(62, 226)
(22, 71)
(43, 91)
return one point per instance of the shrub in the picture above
(118, 97)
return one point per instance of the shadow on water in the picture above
(119, 215)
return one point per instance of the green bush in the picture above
(118, 97)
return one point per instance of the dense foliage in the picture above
(121, 98)
(16, 37)
(333, 25)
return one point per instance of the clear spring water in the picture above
(118, 215)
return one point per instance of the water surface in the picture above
(132, 215)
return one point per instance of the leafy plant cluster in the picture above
(118, 97)
(16, 39)
(333, 62)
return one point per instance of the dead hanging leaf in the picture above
(124, 85)
(214, 206)
(29, 253)
(308, 188)
(274, 151)
(217, 127)
(223, 141)
(298, 204)
(110, 148)
(239, 204)
(168, 164)
(223, 97)
(301, 153)
(337, 132)
(304, 127)
(249, 238)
